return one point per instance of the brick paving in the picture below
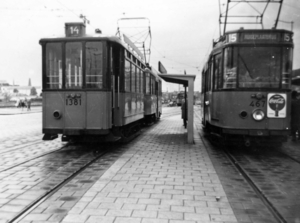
(159, 179)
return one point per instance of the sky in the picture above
(182, 31)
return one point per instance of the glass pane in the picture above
(127, 76)
(287, 67)
(259, 67)
(138, 83)
(94, 65)
(147, 83)
(229, 77)
(217, 71)
(133, 78)
(53, 66)
(73, 65)
(142, 81)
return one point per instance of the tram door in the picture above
(115, 69)
(207, 89)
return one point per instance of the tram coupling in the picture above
(49, 137)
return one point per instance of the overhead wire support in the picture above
(140, 35)
(226, 18)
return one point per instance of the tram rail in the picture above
(32, 158)
(58, 186)
(259, 193)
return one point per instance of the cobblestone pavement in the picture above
(159, 178)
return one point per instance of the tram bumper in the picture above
(256, 132)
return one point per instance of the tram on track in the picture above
(246, 86)
(96, 88)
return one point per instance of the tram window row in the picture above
(74, 76)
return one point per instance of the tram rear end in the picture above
(247, 85)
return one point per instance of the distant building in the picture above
(3, 83)
(15, 89)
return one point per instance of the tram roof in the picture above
(241, 30)
(84, 38)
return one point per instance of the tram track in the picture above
(18, 147)
(32, 158)
(256, 189)
(55, 188)
(264, 171)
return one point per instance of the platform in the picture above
(159, 179)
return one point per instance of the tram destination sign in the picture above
(261, 37)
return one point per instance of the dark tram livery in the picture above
(96, 87)
(246, 86)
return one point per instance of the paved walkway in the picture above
(16, 111)
(159, 179)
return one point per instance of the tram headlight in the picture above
(258, 115)
(57, 114)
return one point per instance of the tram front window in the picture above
(259, 67)
(53, 66)
(73, 70)
(94, 65)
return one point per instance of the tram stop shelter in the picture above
(186, 81)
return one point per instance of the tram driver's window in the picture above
(217, 71)
(53, 66)
(94, 65)
(74, 65)
(229, 77)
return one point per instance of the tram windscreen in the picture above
(53, 66)
(259, 67)
(73, 70)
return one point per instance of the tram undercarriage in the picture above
(246, 137)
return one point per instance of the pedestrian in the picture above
(21, 104)
(295, 116)
(17, 103)
(28, 104)
(184, 112)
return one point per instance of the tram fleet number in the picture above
(257, 104)
(73, 101)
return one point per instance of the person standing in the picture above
(184, 112)
(28, 104)
(295, 116)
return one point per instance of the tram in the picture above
(246, 86)
(96, 88)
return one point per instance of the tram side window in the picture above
(210, 76)
(133, 78)
(287, 67)
(147, 83)
(127, 76)
(74, 65)
(53, 66)
(203, 82)
(94, 65)
(138, 80)
(207, 74)
(217, 74)
(153, 85)
(142, 81)
(230, 68)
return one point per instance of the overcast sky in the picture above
(182, 30)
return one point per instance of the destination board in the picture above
(261, 37)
